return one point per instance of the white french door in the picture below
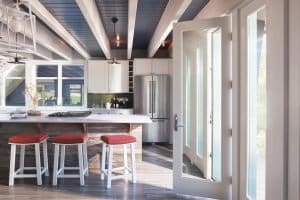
(253, 92)
(202, 108)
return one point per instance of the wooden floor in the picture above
(154, 181)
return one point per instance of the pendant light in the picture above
(17, 60)
(16, 20)
(116, 40)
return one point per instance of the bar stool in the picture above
(68, 139)
(23, 140)
(111, 141)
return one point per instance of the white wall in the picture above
(294, 99)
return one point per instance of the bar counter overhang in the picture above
(95, 125)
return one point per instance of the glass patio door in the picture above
(201, 100)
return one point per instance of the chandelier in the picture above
(17, 26)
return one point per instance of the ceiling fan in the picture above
(16, 60)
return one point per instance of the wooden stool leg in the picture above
(103, 160)
(133, 165)
(45, 155)
(110, 157)
(62, 158)
(12, 164)
(125, 159)
(38, 164)
(55, 166)
(86, 160)
(80, 159)
(22, 158)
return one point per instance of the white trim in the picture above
(294, 99)
(30, 78)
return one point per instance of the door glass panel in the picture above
(188, 102)
(200, 100)
(257, 106)
(216, 105)
(202, 105)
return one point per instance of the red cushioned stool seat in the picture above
(70, 138)
(24, 138)
(118, 139)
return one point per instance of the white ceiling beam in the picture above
(172, 13)
(47, 39)
(40, 10)
(90, 12)
(132, 8)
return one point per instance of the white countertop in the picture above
(93, 118)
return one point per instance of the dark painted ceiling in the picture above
(69, 15)
(148, 16)
(119, 9)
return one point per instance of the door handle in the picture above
(176, 125)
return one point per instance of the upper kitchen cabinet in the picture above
(107, 78)
(118, 77)
(160, 66)
(142, 66)
(151, 66)
(97, 76)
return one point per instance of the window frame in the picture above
(31, 78)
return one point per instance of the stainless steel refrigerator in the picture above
(151, 97)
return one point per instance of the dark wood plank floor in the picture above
(154, 181)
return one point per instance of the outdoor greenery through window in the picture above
(60, 85)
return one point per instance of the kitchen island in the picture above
(95, 125)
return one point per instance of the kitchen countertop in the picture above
(93, 118)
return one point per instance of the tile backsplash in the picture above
(118, 100)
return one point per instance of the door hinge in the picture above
(230, 180)
(230, 132)
(230, 36)
(230, 84)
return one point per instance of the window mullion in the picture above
(59, 85)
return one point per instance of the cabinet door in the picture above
(160, 66)
(142, 66)
(97, 76)
(118, 77)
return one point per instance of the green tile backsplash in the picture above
(124, 100)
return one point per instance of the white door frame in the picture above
(277, 102)
(208, 188)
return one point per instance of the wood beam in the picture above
(40, 10)
(132, 8)
(92, 17)
(172, 13)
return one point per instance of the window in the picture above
(72, 85)
(14, 82)
(47, 85)
(257, 104)
(60, 85)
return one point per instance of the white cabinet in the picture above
(107, 78)
(146, 66)
(142, 66)
(118, 77)
(97, 76)
(160, 66)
